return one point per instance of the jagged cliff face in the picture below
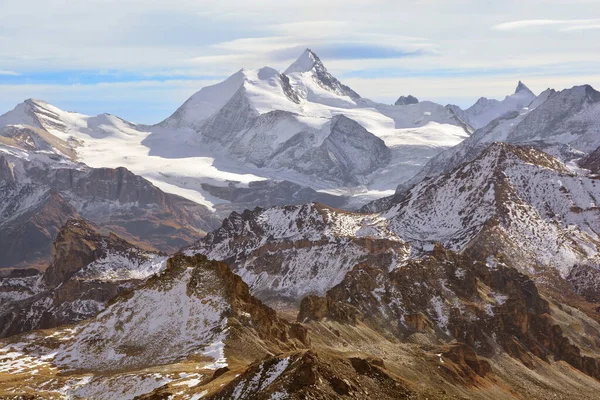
(309, 65)
(38, 199)
(592, 161)
(511, 199)
(341, 150)
(288, 252)
(87, 271)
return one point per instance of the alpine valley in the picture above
(281, 237)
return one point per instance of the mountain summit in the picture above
(486, 110)
(306, 62)
(521, 87)
(309, 62)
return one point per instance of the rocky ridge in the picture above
(87, 271)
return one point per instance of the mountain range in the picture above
(281, 237)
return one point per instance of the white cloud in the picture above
(581, 27)
(565, 24)
(11, 73)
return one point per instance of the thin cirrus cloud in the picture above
(562, 24)
(351, 51)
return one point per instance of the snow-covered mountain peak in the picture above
(486, 110)
(258, 125)
(306, 62)
(308, 70)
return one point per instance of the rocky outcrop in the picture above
(406, 100)
(314, 374)
(78, 245)
(194, 309)
(585, 280)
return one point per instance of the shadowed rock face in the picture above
(6, 175)
(347, 154)
(77, 245)
(268, 194)
(36, 201)
(88, 270)
(592, 161)
(26, 238)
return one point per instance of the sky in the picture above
(140, 60)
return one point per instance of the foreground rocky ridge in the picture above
(438, 327)
(87, 271)
(194, 313)
(487, 308)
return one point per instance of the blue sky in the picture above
(140, 60)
